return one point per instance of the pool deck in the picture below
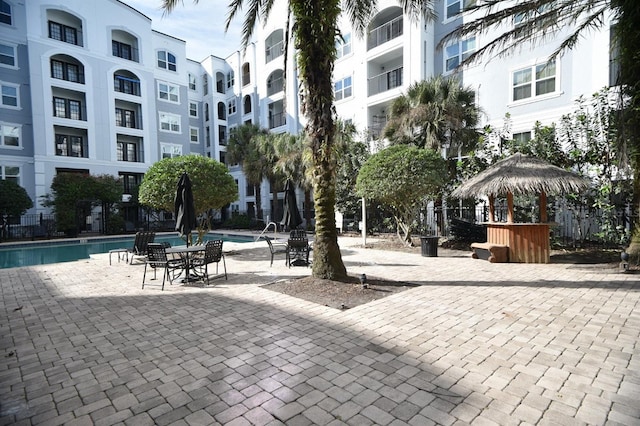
(475, 343)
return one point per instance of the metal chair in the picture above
(212, 254)
(276, 250)
(298, 248)
(157, 258)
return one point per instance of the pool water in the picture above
(52, 252)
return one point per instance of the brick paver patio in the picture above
(475, 343)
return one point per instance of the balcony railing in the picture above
(275, 85)
(384, 33)
(385, 81)
(277, 120)
(272, 52)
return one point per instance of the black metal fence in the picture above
(572, 226)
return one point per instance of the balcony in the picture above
(385, 81)
(385, 33)
(277, 120)
(274, 51)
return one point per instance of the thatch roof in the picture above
(521, 174)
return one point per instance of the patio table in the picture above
(185, 250)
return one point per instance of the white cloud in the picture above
(200, 24)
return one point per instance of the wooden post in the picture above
(543, 207)
(492, 208)
(509, 207)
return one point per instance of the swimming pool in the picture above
(41, 253)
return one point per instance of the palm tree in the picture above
(433, 112)
(244, 148)
(314, 30)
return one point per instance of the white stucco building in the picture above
(92, 87)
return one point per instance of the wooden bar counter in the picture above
(527, 242)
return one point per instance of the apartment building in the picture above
(92, 87)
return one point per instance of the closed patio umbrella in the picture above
(291, 217)
(185, 210)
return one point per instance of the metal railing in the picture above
(384, 33)
(385, 81)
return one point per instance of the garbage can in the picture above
(429, 246)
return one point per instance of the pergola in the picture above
(521, 174)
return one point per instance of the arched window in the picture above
(222, 111)
(246, 104)
(246, 74)
(167, 60)
(67, 68)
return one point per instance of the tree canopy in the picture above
(14, 200)
(402, 177)
(212, 184)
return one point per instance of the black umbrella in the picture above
(185, 209)
(291, 218)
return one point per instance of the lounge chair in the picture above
(157, 258)
(212, 254)
(140, 244)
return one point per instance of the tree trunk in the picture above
(315, 31)
(258, 193)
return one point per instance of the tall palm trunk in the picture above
(315, 29)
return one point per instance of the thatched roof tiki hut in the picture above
(520, 174)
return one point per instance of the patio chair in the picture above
(298, 248)
(212, 254)
(157, 258)
(276, 249)
(140, 243)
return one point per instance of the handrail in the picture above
(266, 228)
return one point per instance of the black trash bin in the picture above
(429, 246)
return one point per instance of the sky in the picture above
(201, 25)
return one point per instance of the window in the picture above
(126, 118)
(128, 150)
(534, 81)
(342, 88)
(192, 82)
(207, 135)
(247, 104)
(521, 138)
(193, 109)
(246, 74)
(275, 82)
(170, 150)
(67, 108)
(167, 60)
(9, 95)
(205, 84)
(458, 52)
(169, 122)
(343, 45)
(231, 107)
(231, 79)
(222, 135)
(453, 7)
(63, 32)
(11, 173)
(122, 50)
(9, 135)
(70, 146)
(168, 92)
(223, 157)
(66, 71)
(220, 82)
(5, 12)
(131, 181)
(222, 113)
(128, 85)
(8, 55)
(194, 134)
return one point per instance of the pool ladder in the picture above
(266, 228)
